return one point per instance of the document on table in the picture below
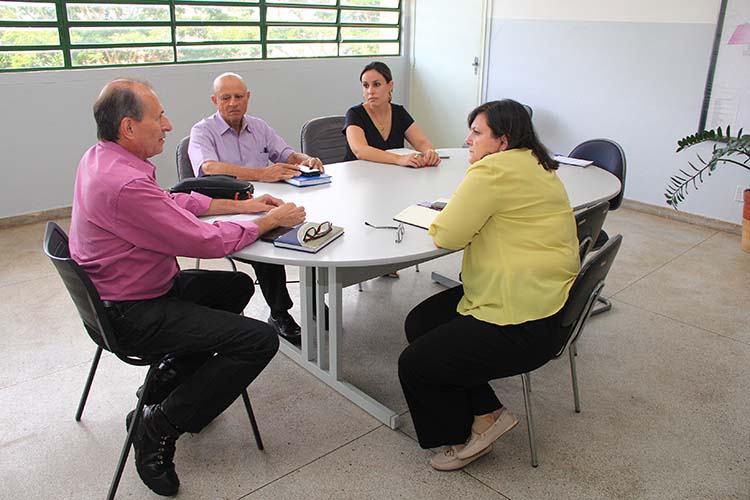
(422, 214)
(573, 161)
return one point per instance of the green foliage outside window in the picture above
(56, 34)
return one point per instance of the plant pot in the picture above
(746, 221)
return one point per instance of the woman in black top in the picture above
(377, 125)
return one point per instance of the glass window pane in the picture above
(291, 15)
(369, 17)
(117, 12)
(121, 55)
(217, 33)
(255, 2)
(389, 4)
(205, 52)
(216, 13)
(28, 36)
(275, 50)
(373, 49)
(31, 59)
(301, 33)
(85, 36)
(369, 33)
(308, 2)
(24, 11)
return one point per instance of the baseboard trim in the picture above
(31, 218)
(671, 213)
(638, 206)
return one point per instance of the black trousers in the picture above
(445, 370)
(272, 281)
(217, 351)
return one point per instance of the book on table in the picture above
(421, 214)
(306, 237)
(314, 180)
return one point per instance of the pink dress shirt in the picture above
(212, 139)
(126, 231)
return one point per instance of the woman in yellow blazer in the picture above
(512, 217)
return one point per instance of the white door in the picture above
(447, 66)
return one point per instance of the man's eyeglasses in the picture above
(399, 230)
(314, 233)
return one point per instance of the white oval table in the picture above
(374, 192)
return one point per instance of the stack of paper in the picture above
(573, 161)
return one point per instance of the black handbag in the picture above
(216, 186)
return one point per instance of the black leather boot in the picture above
(164, 382)
(154, 442)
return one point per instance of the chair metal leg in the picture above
(89, 380)
(359, 285)
(606, 307)
(574, 377)
(197, 263)
(529, 418)
(416, 266)
(253, 423)
(231, 262)
(129, 440)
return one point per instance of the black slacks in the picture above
(272, 281)
(445, 370)
(199, 322)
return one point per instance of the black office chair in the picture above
(185, 171)
(589, 222)
(608, 155)
(95, 320)
(322, 138)
(576, 311)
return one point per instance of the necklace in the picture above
(378, 124)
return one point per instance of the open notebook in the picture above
(421, 214)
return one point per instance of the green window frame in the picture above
(78, 34)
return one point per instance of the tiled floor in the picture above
(664, 384)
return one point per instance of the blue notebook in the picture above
(295, 238)
(302, 181)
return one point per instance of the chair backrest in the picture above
(606, 154)
(590, 221)
(322, 138)
(83, 292)
(184, 167)
(586, 289)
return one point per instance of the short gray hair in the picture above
(117, 100)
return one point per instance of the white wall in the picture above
(48, 121)
(633, 71)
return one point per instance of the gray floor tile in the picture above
(649, 242)
(381, 464)
(663, 417)
(664, 399)
(707, 287)
(23, 258)
(300, 420)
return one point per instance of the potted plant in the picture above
(734, 150)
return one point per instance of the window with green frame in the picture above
(64, 34)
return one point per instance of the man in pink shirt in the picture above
(126, 233)
(232, 142)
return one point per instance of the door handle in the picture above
(475, 64)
